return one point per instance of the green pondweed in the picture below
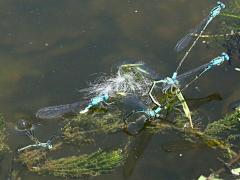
(210, 136)
(101, 162)
(226, 129)
(79, 130)
(93, 164)
(232, 10)
(82, 128)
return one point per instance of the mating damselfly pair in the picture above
(135, 80)
(143, 91)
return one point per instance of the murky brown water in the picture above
(50, 49)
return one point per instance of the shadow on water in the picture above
(48, 51)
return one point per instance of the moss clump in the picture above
(93, 164)
(226, 129)
(3, 146)
(82, 128)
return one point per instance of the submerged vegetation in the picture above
(228, 34)
(102, 162)
(232, 15)
(3, 146)
(226, 129)
(79, 130)
(93, 164)
(82, 128)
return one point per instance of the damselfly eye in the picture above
(23, 125)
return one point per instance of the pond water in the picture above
(49, 50)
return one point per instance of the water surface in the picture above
(51, 49)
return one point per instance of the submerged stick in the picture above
(228, 165)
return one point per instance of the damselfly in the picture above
(198, 30)
(130, 79)
(28, 128)
(177, 81)
(137, 118)
(74, 108)
(45, 145)
(184, 42)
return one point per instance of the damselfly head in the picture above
(23, 125)
(221, 4)
(225, 56)
(216, 10)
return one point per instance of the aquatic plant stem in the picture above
(184, 106)
(230, 15)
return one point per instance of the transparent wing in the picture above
(184, 42)
(60, 110)
(192, 73)
(133, 103)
